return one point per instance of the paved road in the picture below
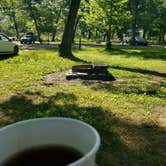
(47, 46)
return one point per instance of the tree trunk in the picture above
(108, 43)
(144, 33)
(160, 35)
(65, 49)
(104, 36)
(134, 28)
(134, 21)
(37, 28)
(53, 34)
(89, 34)
(13, 15)
(55, 28)
(80, 42)
(75, 28)
(96, 34)
(15, 24)
(164, 36)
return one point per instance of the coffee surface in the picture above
(52, 155)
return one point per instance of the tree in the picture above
(65, 49)
(9, 8)
(92, 20)
(161, 23)
(49, 12)
(137, 8)
(151, 19)
(31, 7)
(114, 10)
(97, 20)
(133, 7)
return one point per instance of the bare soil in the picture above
(60, 78)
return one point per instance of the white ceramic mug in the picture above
(45, 131)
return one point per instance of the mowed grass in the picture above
(129, 113)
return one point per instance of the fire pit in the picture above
(95, 71)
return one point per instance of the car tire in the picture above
(16, 50)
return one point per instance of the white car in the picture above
(7, 46)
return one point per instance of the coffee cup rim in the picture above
(87, 155)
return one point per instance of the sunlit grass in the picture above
(127, 113)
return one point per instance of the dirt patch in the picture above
(60, 78)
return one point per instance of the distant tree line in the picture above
(97, 20)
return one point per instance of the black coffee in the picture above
(54, 155)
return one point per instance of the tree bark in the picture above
(15, 24)
(104, 36)
(164, 36)
(134, 28)
(89, 34)
(55, 28)
(75, 28)
(80, 42)
(65, 49)
(144, 33)
(159, 40)
(134, 21)
(53, 34)
(108, 43)
(36, 25)
(13, 15)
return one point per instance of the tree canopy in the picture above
(97, 20)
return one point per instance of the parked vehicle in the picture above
(7, 45)
(28, 38)
(138, 41)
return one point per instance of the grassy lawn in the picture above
(129, 113)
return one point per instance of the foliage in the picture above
(98, 20)
(152, 18)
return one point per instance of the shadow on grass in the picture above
(150, 89)
(123, 142)
(72, 57)
(7, 56)
(142, 71)
(146, 53)
(76, 59)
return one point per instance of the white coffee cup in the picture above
(44, 131)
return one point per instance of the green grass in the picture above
(129, 113)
